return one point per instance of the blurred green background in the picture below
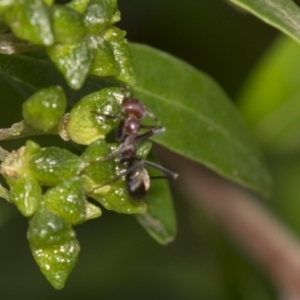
(118, 259)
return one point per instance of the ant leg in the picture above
(151, 114)
(153, 131)
(105, 115)
(168, 173)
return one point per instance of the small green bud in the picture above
(117, 199)
(54, 246)
(102, 181)
(47, 230)
(104, 63)
(67, 24)
(15, 165)
(44, 108)
(73, 60)
(53, 165)
(48, 2)
(100, 14)
(5, 5)
(98, 170)
(67, 200)
(26, 194)
(78, 5)
(85, 126)
(116, 39)
(92, 211)
(29, 20)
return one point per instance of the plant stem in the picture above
(3, 154)
(19, 130)
(9, 44)
(4, 193)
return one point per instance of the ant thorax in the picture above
(130, 126)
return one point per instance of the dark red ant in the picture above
(137, 177)
(127, 132)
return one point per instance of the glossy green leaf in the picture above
(159, 220)
(202, 124)
(29, 74)
(282, 14)
(270, 98)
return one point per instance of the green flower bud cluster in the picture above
(79, 37)
(51, 185)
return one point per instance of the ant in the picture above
(127, 133)
(137, 178)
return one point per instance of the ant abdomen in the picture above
(137, 180)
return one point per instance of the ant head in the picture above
(133, 106)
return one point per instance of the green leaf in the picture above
(282, 14)
(270, 99)
(159, 220)
(34, 73)
(202, 124)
